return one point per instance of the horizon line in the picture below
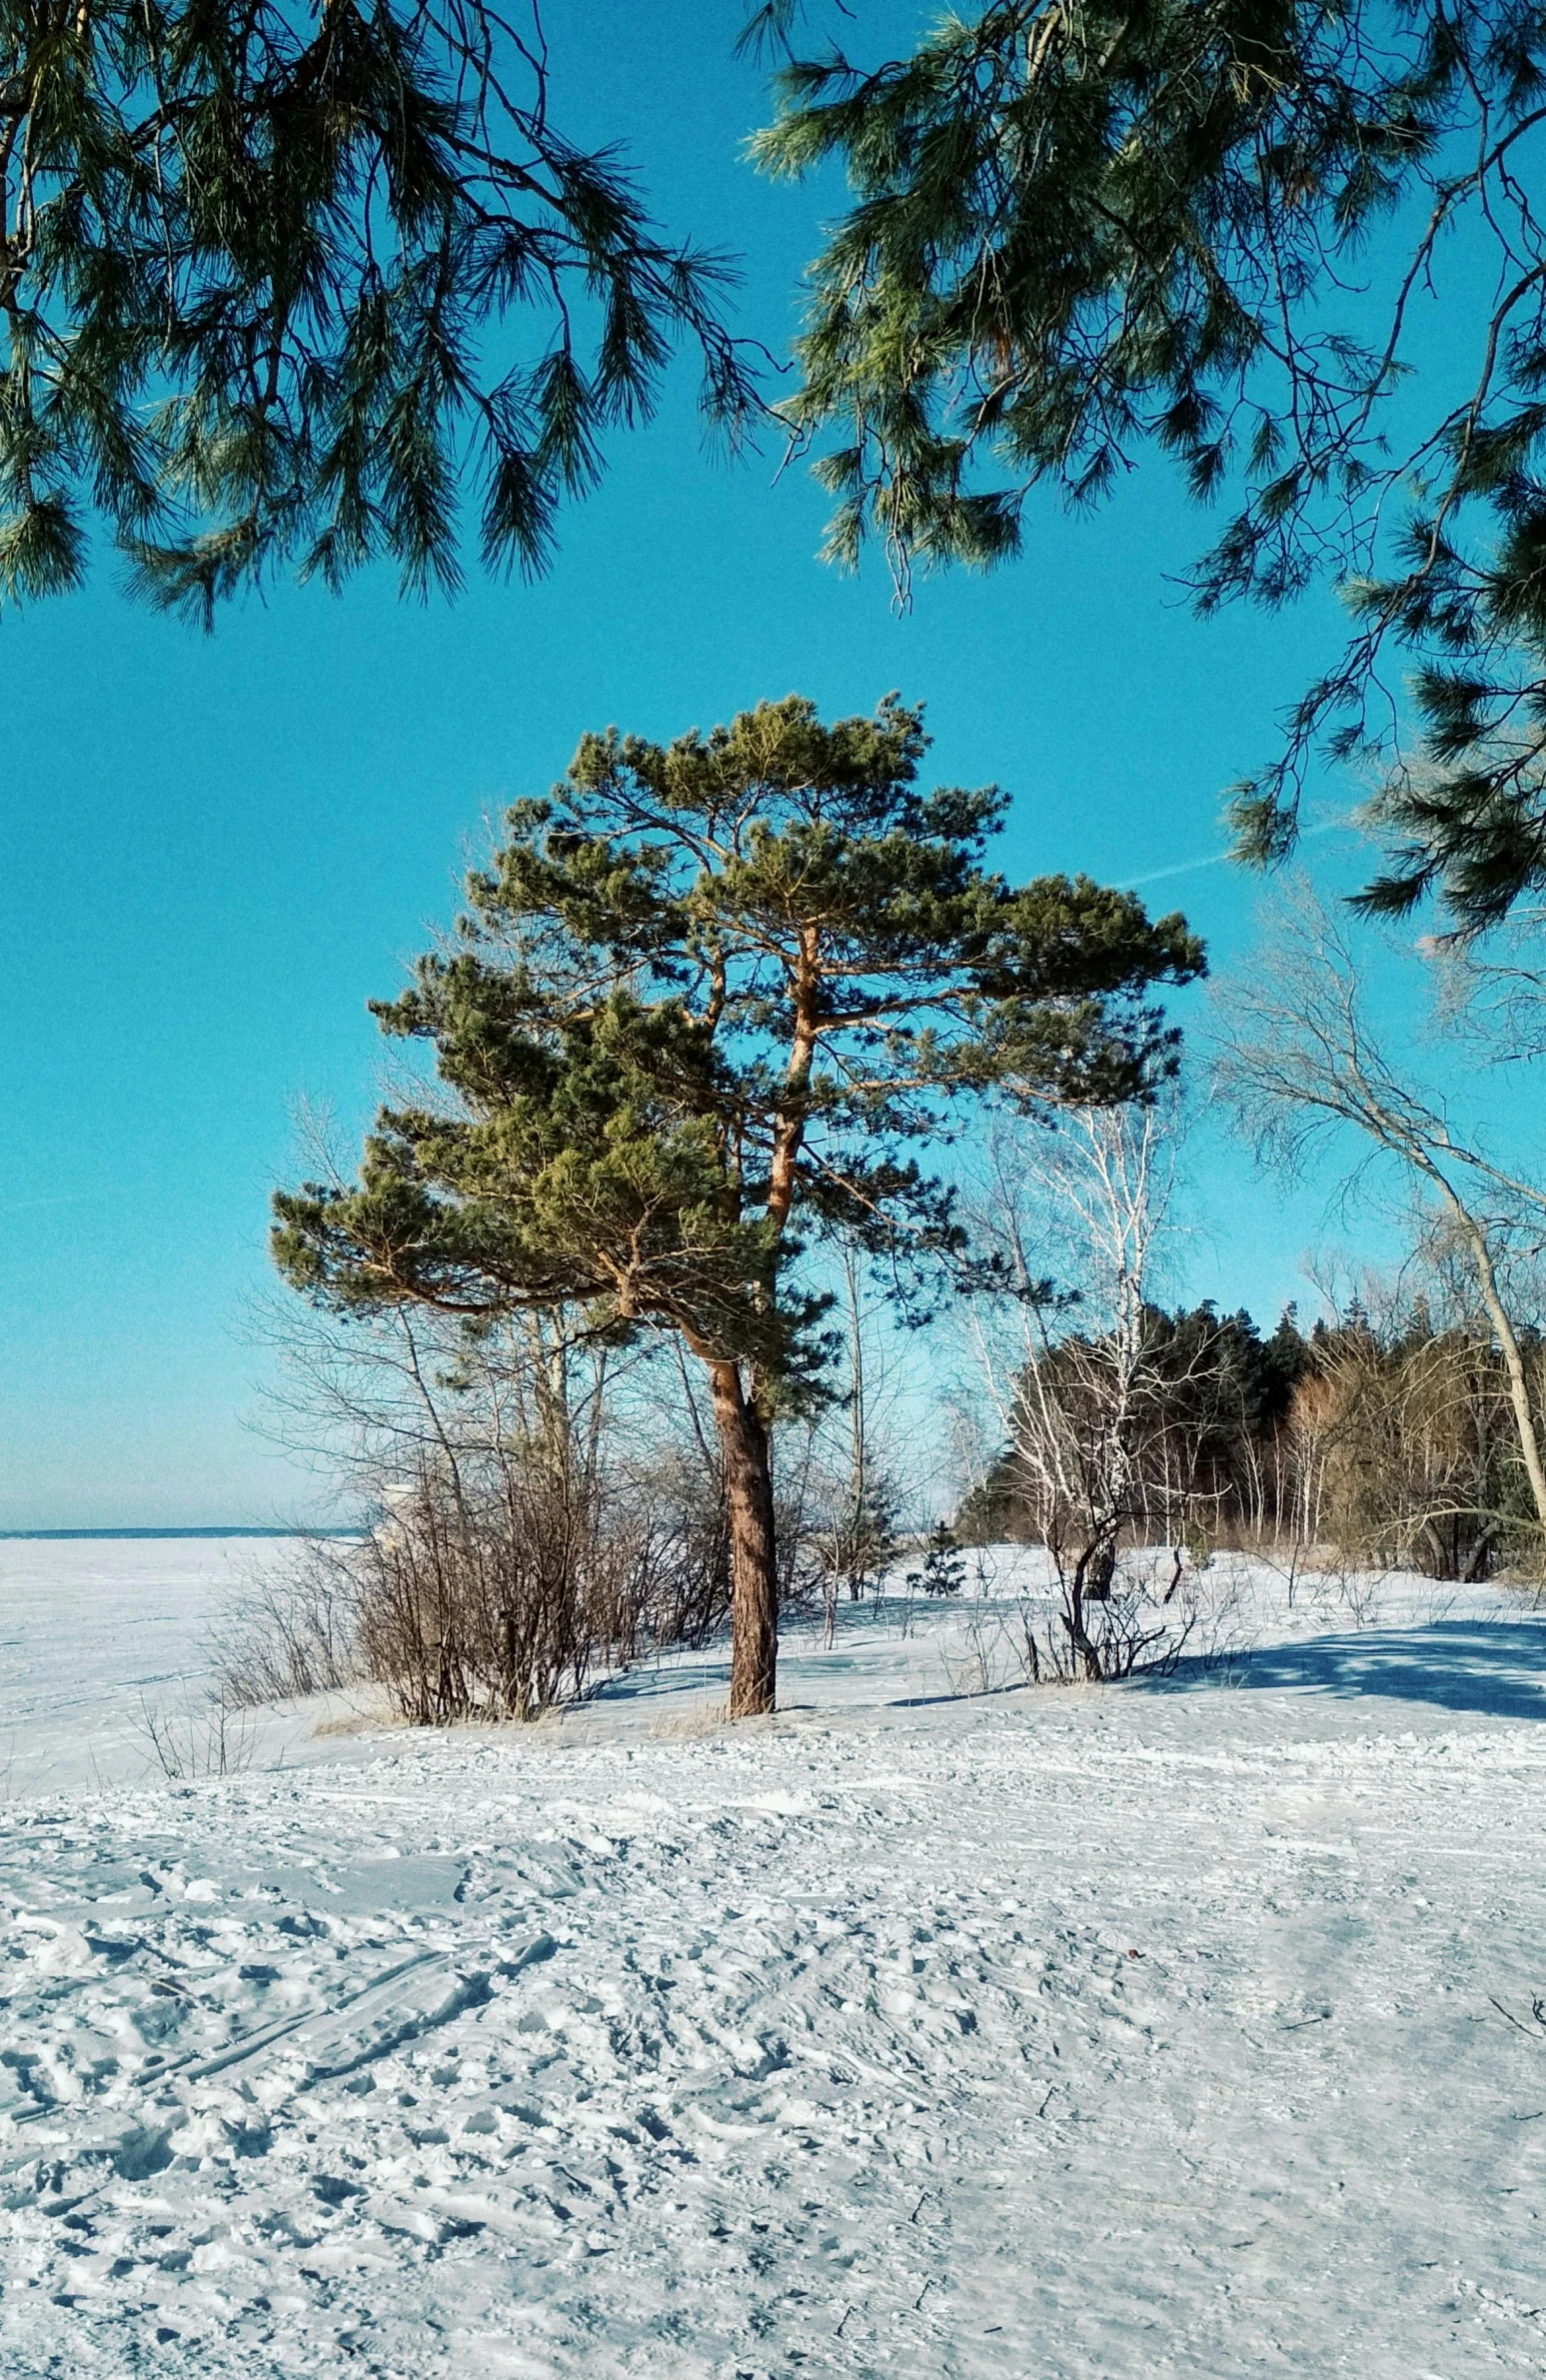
(228, 1528)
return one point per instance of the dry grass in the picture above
(706, 1721)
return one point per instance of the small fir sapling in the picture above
(944, 1570)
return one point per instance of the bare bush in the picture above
(541, 1510)
(208, 1739)
(1116, 1629)
(679, 1492)
(295, 1635)
(498, 1601)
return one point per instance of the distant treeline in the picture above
(1387, 1438)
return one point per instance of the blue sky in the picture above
(216, 850)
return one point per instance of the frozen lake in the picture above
(96, 1632)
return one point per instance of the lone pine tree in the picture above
(709, 1005)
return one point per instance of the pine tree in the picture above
(709, 1006)
(281, 284)
(1218, 227)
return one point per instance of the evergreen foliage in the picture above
(277, 282)
(1081, 227)
(711, 990)
(944, 1570)
(711, 1002)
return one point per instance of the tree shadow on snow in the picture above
(1495, 1667)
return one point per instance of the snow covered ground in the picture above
(1195, 2027)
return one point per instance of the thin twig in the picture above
(1514, 2021)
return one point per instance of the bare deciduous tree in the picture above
(1069, 1370)
(1297, 1058)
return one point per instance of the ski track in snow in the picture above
(1129, 2032)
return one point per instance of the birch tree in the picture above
(1078, 1218)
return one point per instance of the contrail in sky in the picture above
(1157, 876)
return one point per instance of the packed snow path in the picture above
(1099, 2033)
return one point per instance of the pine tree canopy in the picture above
(284, 282)
(710, 1004)
(1083, 227)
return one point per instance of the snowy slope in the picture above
(1184, 2029)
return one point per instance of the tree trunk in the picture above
(753, 1548)
(1508, 1345)
(1073, 1616)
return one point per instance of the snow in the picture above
(97, 1633)
(1186, 2027)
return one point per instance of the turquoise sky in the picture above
(215, 850)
